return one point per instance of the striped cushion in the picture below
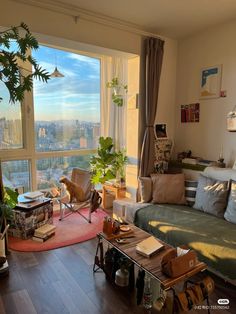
(190, 192)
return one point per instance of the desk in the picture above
(118, 191)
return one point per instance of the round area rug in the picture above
(72, 229)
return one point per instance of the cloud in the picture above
(93, 62)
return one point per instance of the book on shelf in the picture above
(205, 162)
(44, 230)
(43, 239)
(191, 161)
(149, 246)
(33, 195)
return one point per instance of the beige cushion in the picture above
(145, 187)
(168, 188)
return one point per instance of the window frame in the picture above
(29, 152)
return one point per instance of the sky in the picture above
(76, 96)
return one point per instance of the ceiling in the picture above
(171, 18)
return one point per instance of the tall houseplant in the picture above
(107, 164)
(102, 163)
(12, 75)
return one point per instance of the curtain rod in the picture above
(77, 13)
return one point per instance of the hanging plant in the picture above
(118, 91)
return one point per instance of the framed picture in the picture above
(190, 113)
(210, 82)
(160, 130)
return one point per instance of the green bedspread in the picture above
(213, 238)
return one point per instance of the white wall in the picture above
(209, 48)
(61, 25)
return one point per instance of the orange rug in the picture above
(73, 229)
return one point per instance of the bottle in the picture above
(109, 227)
(105, 225)
(147, 293)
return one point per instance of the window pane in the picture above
(49, 170)
(10, 122)
(67, 109)
(16, 174)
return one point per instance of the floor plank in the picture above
(61, 281)
(23, 302)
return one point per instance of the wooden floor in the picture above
(62, 281)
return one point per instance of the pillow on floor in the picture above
(230, 213)
(168, 189)
(145, 188)
(211, 196)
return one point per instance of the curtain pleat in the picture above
(153, 54)
(113, 118)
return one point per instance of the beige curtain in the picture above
(151, 64)
(113, 118)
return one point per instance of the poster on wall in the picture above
(210, 82)
(190, 113)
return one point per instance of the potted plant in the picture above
(102, 165)
(118, 91)
(11, 74)
(6, 206)
(108, 164)
(17, 83)
(119, 165)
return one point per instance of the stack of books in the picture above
(44, 233)
(33, 195)
(149, 247)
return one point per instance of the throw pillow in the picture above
(230, 213)
(190, 192)
(145, 187)
(211, 196)
(168, 188)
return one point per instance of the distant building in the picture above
(83, 142)
(42, 132)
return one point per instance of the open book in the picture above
(149, 246)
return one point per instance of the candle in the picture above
(221, 156)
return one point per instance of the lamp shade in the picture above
(56, 73)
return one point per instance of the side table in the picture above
(29, 216)
(118, 191)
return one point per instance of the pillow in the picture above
(145, 184)
(211, 196)
(190, 192)
(168, 188)
(230, 213)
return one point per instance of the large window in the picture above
(67, 109)
(49, 170)
(16, 174)
(10, 122)
(61, 122)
